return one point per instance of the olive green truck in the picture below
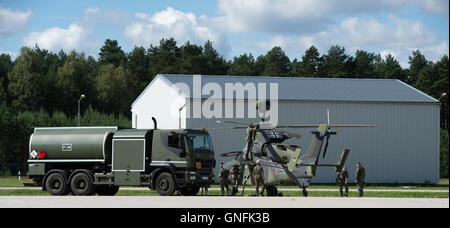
(98, 160)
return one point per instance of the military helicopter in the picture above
(281, 162)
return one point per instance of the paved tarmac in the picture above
(215, 202)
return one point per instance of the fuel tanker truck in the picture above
(98, 160)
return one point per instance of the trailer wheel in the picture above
(81, 185)
(56, 184)
(165, 185)
(107, 190)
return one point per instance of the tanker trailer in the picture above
(98, 160)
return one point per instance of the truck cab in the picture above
(187, 154)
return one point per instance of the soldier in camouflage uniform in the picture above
(360, 178)
(235, 178)
(235, 175)
(251, 131)
(223, 175)
(342, 180)
(258, 175)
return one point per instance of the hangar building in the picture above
(403, 148)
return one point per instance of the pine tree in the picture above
(310, 64)
(111, 53)
(277, 63)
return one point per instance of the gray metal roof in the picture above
(320, 89)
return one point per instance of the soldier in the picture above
(342, 180)
(223, 175)
(235, 175)
(360, 178)
(235, 179)
(251, 130)
(258, 175)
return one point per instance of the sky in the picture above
(234, 26)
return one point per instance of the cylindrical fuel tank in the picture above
(72, 144)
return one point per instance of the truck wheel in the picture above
(107, 190)
(194, 191)
(189, 191)
(165, 185)
(56, 184)
(81, 185)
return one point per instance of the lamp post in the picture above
(444, 104)
(79, 100)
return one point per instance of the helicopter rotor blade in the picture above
(226, 128)
(351, 125)
(326, 146)
(328, 117)
(300, 126)
(232, 122)
(293, 134)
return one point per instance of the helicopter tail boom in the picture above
(295, 157)
(341, 160)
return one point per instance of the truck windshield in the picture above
(200, 142)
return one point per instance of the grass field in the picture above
(28, 192)
(443, 185)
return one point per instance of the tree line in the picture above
(41, 88)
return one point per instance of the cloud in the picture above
(80, 34)
(12, 21)
(183, 27)
(56, 38)
(396, 36)
(434, 6)
(396, 32)
(291, 16)
(303, 16)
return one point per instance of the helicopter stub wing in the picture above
(231, 164)
(231, 154)
(339, 164)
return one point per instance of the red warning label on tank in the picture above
(41, 154)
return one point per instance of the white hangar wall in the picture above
(162, 101)
(403, 148)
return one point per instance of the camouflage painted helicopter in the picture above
(281, 162)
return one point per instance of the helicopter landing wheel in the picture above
(305, 193)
